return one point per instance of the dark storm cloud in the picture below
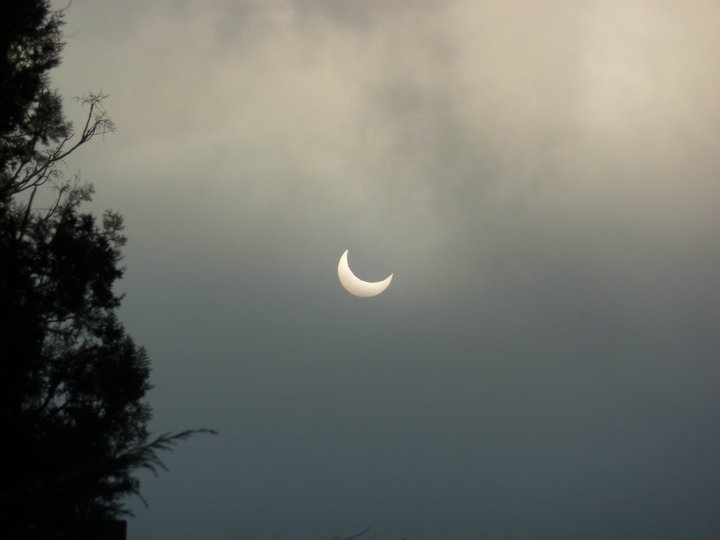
(541, 180)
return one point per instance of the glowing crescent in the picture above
(356, 286)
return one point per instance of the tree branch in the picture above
(21, 231)
(97, 122)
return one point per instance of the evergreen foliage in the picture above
(73, 415)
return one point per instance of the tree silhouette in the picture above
(73, 415)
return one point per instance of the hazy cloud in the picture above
(540, 177)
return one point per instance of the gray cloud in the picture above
(541, 179)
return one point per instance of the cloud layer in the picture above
(540, 177)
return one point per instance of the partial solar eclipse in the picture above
(356, 286)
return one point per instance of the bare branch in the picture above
(358, 534)
(97, 122)
(61, 191)
(27, 214)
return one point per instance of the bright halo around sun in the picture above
(356, 286)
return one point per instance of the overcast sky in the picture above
(543, 179)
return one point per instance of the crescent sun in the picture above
(356, 286)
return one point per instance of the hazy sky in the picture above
(543, 179)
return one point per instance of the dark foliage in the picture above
(30, 113)
(73, 419)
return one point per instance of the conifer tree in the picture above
(73, 413)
